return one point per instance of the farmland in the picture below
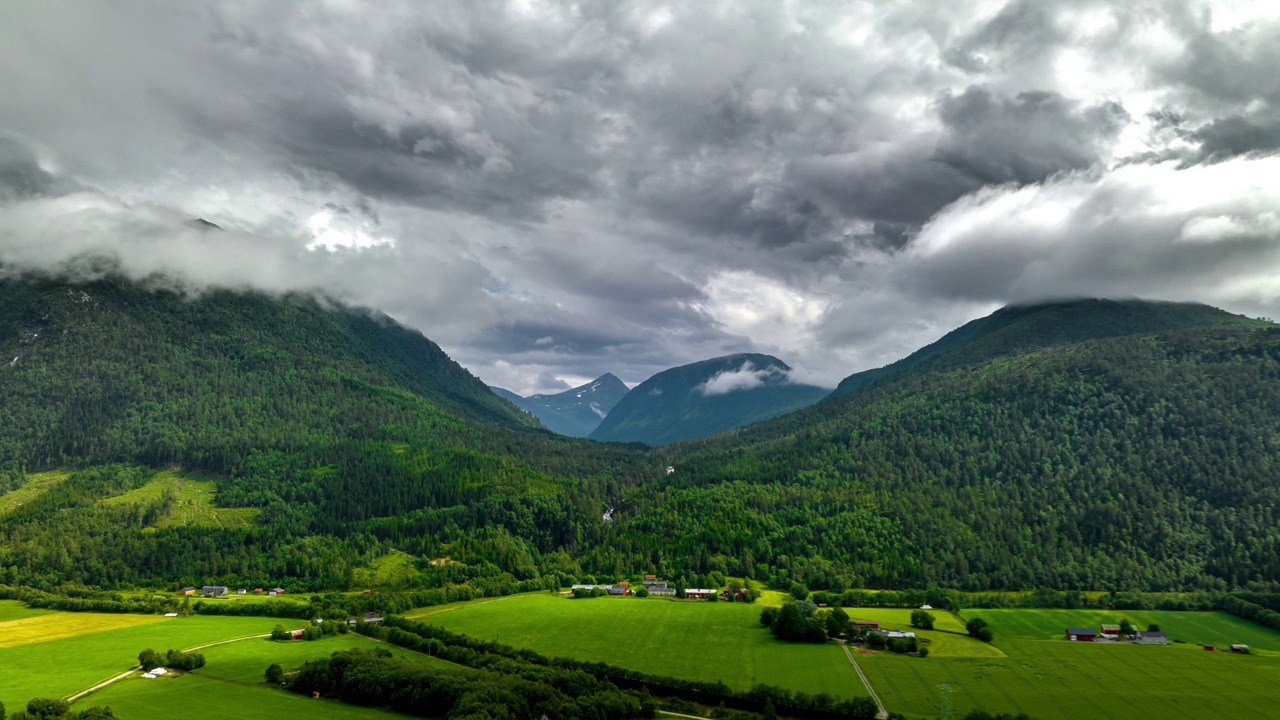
(1049, 678)
(695, 640)
(81, 649)
(233, 679)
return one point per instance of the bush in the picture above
(768, 615)
(978, 628)
(922, 619)
(922, 651)
(274, 673)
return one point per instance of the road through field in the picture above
(136, 668)
(882, 714)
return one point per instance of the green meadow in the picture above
(194, 501)
(688, 639)
(1047, 677)
(36, 485)
(88, 648)
(232, 681)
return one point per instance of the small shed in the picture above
(296, 634)
(1210, 648)
(277, 591)
(1111, 631)
(149, 676)
(158, 671)
(618, 590)
(867, 624)
(1082, 634)
(1237, 648)
(187, 591)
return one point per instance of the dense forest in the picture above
(1018, 453)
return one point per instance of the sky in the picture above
(552, 191)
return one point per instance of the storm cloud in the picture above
(556, 190)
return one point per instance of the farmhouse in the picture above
(591, 587)
(1082, 634)
(1152, 638)
(620, 589)
(866, 624)
(213, 590)
(1111, 632)
(187, 591)
(699, 593)
(663, 591)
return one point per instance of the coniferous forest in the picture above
(1141, 455)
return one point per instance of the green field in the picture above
(195, 502)
(687, 639)
(89, 649)
(1048, 677)
(231, 682)
(36, 485)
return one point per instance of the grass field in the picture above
(232, 683)
(196, 502)
(84, 653)
(947, 639)
(1048, 677)
(36, 485)
(14, 610)
(55, 626)
(696, 640)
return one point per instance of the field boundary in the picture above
(882, 713)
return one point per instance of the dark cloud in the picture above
(628, 186)
(1023, 139)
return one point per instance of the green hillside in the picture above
(327, 436)
(685, 403)
(1143, 460)
(1023, 328)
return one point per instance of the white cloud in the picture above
(746, 377)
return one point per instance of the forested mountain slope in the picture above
(1143, 460)
(1024, 328)
(575, 412)
(347, 429)
(704, 398)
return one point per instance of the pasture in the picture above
(82, 649)
(232, 681)
(36, 485)
(1049, 678)
(688, 639)
(194, 502)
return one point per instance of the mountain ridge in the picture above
(705, 398)
(575, 412)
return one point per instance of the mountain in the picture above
(573, 412)
(315, 437)
(1024, 328)
(705, 398)
(1024, 450)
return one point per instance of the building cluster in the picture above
(1114, 633)
(216, 591)
(655, 587)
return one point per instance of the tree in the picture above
(642, 592)
(279, 633)
(977, 627)
(3, 714)
(769, 712)
(274, 673)
(150, 659)
(837, 622)
(922, 651)
(767, 616)
(922, 619)
(1153, 627)
(798, 591)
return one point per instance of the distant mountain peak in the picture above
(704, 398)
(576, 411)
